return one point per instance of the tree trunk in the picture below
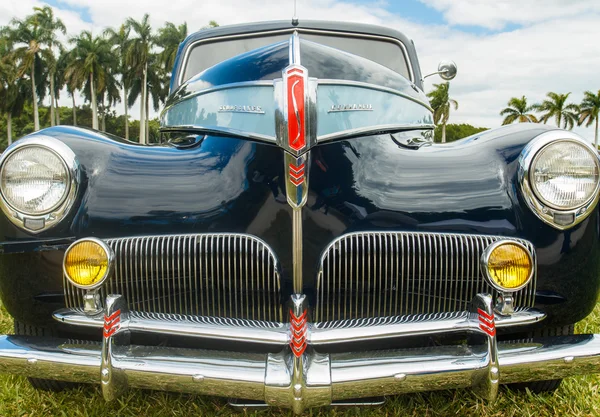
(142, 102)
(9, 127)
(596, 135)
(126, 109)
(103, 117)
(444, 133)
(36, 114)
(147, 120)
(94, 103)
(74, 110)
(52, 109)
(57, 111)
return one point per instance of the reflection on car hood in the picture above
(351, 93)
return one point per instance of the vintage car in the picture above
(297, 239)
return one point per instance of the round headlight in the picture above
(565, 174)
(88, 263)
(507, 265)
(34, 180)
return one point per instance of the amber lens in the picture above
(509, 265)
(86, 263)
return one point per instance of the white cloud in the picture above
(554, 50)
(496, 14)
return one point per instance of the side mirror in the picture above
(446, 69)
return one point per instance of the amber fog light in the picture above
(507, 265)
(88, 262)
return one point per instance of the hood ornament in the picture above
(295, 97)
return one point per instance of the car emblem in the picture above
(295, 96)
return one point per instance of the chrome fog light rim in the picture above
(485, 258)
(546, 211)
(37, 223)
(110, 255)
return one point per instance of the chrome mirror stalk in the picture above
(447, 70)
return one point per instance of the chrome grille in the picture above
(378, 274)
(218, 275)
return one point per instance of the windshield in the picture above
(387, 53)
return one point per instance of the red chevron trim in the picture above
(299, 330)
(112, 323)
(112, 316)
(487, 322)
(297, 169)
(296, 176)
(297, 182)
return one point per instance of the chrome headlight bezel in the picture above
(37, 223)
(559, 218)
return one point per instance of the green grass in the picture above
(577, 396)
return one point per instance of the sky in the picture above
(503, 48)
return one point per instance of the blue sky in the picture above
(503, 48)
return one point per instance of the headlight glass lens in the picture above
(34, 180)
(86, 263)
(509, 266)
(565, 175)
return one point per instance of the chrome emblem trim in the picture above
(241, 109)
(350, 107)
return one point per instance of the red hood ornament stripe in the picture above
(296, 114)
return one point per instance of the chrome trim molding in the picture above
(213, 328)
(190, 46)
(229, 86)
(373, 130)
(485, 258)
(360, 84)
(317, 334)
(544, 210)
(310, 379)
(110, 255)
(37, 223)
(384, 328)
(212, 274)
(378, 274)
(221, 131)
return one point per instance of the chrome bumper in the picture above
(300, 376)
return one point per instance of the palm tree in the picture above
(589, 111)
(441, 104)
(518, 110)
(169, 37)
(13, 89)
(45, 18)
(157, 87)
(36, 36)
(120, 42)
(90, 61)
(137, 56)
(555, 106)
(68, 82)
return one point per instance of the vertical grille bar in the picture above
(398, 273)
(219, 275)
